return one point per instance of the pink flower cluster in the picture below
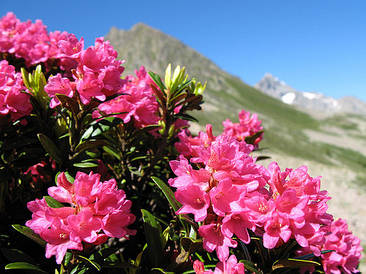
(213, 186)
(24, 39)
(96, 73)
(231, 266)
(228, 193)
(247, 126)
(137, 101)
(35, 45)
(98, 210)
(13, 101)
(345, 248)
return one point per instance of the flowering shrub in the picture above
(117, 140)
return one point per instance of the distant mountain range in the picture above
(309, 100)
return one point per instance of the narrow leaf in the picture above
(26, 231)
(51, 202)
(14, 255)
(50, 147)
(94, 264)
(293, 263)
(23, 265)
(157, 80)
(153, 237)
(111, 152)
(85, 165)
(168, 193)
(250, 266)
(89, 144)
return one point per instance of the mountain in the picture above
(310, 101)
(144, 45)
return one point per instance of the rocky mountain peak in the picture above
(312, 101)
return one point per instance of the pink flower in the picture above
(231, 266)
(199, 268)
(194, 200)
(247, 126)
(276, 230)
(98, 210)
(214, 239)
(13, 101)
(137, 101)
(346, 246)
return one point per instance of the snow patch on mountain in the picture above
(312, 101)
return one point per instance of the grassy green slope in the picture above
(284, 125)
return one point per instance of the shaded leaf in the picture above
(153, 237)
(14, 255)
(250, 266)
(293, 263)
(160, 270)
(26, 231)
(89, 144)
(50, 147)
(111, 152)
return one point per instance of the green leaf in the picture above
(311, 255)
(250, 266)
(111, 152)
(85, 165)
(94, 264)
(50, 147)
(162, 270)
(51, 202)
(14, 255)
(24, 265)
(187, 117)
(153, 237)
(293, 263)
(89, 144)
(26, 231)
(168, 193)
(157, 80)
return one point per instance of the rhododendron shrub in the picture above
(102, 169)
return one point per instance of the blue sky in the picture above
(313, 45)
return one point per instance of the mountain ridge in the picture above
(310, 101)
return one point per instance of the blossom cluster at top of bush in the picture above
(248, 125)
(97, 210)
(228, 193)
(88, 73)
(13, 100)
(137, 101)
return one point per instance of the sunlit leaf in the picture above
(92, 263)
(24, 266)
(51, 202)
(168, 193)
